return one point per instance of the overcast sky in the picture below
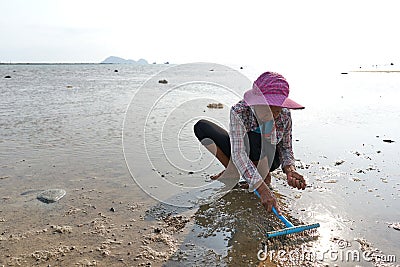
(294, 33)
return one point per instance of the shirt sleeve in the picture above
(285, 145)
(245, 166)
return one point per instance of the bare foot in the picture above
(230, 172)
(243, 185)
(216, 176)
(267, 180)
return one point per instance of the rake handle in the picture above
(281, 217)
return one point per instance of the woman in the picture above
(259, 138)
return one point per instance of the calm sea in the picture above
(67, 116)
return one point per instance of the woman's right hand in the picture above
(267, 198)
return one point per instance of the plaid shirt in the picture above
(242, 120)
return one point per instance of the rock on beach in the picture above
(51, 195)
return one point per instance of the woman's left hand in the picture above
(295, 179)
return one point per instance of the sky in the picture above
(278, 33)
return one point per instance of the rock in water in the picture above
(388, 141)
(215, 105)
(339, 162)
(331, 181)
(395, 226)
(51, 195)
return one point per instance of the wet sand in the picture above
(93, 227)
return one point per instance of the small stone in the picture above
(7, 77)
(163, 81)
(339, 162)
(51, 195)
(215, 105)
(112, 209)
(61, 229)
(395, 226)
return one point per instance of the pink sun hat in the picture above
(271, 89)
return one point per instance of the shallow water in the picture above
(61, 127)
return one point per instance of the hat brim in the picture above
(272, 100)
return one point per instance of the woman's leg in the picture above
(216, 140)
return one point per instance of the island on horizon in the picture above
(119, 60)
(108, 60)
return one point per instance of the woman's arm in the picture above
(245, 166)
(285, 150)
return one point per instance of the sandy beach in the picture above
(62, 128)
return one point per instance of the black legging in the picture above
(208, 133)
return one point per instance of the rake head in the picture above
(300, 230)
(306, 229)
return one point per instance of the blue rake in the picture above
(290, 228)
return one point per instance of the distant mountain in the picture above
(119, 60)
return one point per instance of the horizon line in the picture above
(77, 63)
